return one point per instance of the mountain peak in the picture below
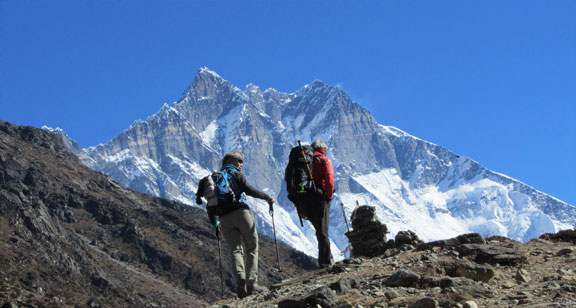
(253, 88)
(318, 86)
(323, 93)
(207, 76)
(206, 85)
(316, 83)
(205, 71)
(63, 137)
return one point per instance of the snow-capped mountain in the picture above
(413, 183)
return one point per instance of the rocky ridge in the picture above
(466, 271)
(72, 237)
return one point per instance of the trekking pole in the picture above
(357, 205)
(345, 219)
(299, 216)
(349, 248)
(275, 241)
(220, 263)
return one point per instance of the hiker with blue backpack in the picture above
(226, 192)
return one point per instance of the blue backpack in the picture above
(222, 189)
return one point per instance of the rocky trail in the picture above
(466, 271)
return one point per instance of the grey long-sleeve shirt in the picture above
(240, 185)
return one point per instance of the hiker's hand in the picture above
(216, 225)
(198, 200)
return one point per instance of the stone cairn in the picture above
(368, 237)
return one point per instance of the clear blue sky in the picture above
(491, 80)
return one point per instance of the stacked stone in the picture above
(368, 237)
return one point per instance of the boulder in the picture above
(492, 254)
(468, 238)
(470, 304)
(403, 278)
(561, 236)
(323, 296)
(426, 302)
(463, 268)
(522, 276)
(291, 303)
(343, 285)
(564, 252)
(407, 238)
(391, 294)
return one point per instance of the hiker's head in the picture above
(319, 145)
(235, 158)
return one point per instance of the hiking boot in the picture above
(323, 266)
(252, 287)
(241, 288)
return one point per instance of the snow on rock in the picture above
(208, 135)
(414, 184)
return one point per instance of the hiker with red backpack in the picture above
(226, 192)
(310, 183)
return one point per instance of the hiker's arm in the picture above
(288, 173)
(200, 192)
(212, 215)
(325, 176)
(251, 191)
(329, 189)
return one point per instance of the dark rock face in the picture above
(492, 254)
(563, 236)
(472, 246)
(72, 237)
(469, 238)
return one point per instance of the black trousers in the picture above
(318, 212)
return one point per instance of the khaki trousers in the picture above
(240, 234)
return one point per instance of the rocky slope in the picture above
(466, 271)
(413, 183)
(72, 237)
